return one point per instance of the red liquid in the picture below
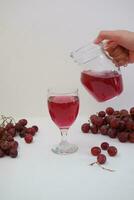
(102, 85)
(63, 110)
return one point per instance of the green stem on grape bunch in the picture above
(5, 120)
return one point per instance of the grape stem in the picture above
(110, 170)
(93, 163)
(5, 120)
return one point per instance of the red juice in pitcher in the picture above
(102, 85)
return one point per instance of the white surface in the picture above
(36, 37)
(38, 173)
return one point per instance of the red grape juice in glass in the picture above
(63, 110)
(102, 85)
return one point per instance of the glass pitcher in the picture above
(100, 77)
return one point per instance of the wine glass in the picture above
(63, 108)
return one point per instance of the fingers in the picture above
(115, 51)
(120, 62)
(120, 45)
(110, 43)
(119, 54)
(131, 57)
(123, 59)
(106, 35)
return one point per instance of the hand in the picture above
(120, 45)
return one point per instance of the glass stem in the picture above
(63, 135)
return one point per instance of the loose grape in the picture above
(112, 150)
(104, 145)
(101, 159)
(95, 151)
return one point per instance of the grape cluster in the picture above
(101, 158)
(9, 129)
(113, 123)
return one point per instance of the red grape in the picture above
(18, 127)
(93, 118)
(2, 129)
(10, 138)
(132, 126)
(35, 127)
(122, 125)
(114, 122)
(104, 145)
(116, 113)
(129, 124)
(104, 129)
(95, 151)
(5, 145)
(101, 114)
(14, 144)
(112, 150)
(12, 132)
(126, 119)
(85, 127)
(23, 132)
(123, 136)
(23, 122)
(132, 111)
(9, 126)
(123, 113)
(99, 121)
(94, 129)
(112, 132)
(109, 110)
(28, 138)
(131, 137)
(101, 159)
(31, 131)
(13, 152)
(108, 118)
(1, 153)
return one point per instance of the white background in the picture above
(36, 37)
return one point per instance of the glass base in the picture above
(64, 148)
